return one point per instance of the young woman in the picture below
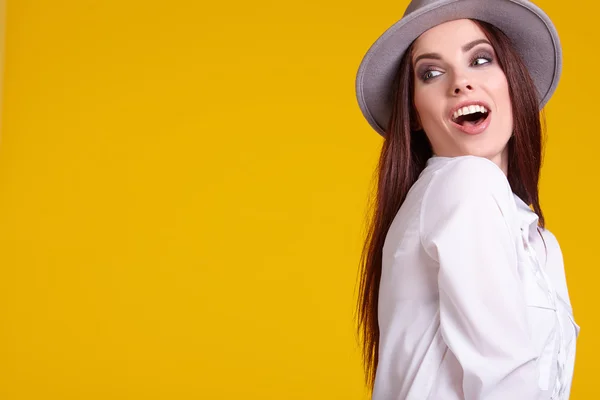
(463, 292)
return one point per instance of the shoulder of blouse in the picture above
(466, 176)
(468, 183)
(550, 238)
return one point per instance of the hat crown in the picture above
(416, 4)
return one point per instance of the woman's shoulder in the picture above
(549, 237)
(553, 250)
(466, 179)
(466, 196)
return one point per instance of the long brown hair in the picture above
(404, 154)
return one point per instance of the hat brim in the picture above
(528, 27)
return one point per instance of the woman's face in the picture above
(461, 93)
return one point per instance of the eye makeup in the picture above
(483, 54)
(427, 71)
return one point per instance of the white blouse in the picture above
(471, 305)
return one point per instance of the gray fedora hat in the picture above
(528, 27)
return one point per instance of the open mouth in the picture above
(470, 115)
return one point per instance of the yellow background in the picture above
(183, 187)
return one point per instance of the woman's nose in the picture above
(462, 88)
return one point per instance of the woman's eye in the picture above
(481, 60)
(431, 74)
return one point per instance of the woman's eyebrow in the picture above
(434, 56)
(465, 48)
(474, 43)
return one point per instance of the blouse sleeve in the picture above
(483, 317)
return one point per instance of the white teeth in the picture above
(469, 110)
